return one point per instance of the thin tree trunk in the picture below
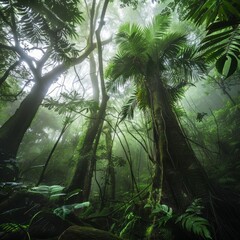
(92, 165)
(110, 172)
(84, 169)
(64, 128)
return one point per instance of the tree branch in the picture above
(6, 74)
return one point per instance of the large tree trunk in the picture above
(176, 163)
(12, 132)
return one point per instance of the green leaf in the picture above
(231, 9)
(149, 231)
(219, 25)
(12, 227)
(192, 222)
(220, 63)
(233, 65)
(217, 36)
(214, 53)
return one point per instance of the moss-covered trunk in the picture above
(177, 168)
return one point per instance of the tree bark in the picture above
(82, 178)
(109, 181)
(174, 154)
(12, 132)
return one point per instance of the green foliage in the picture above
(65, 210)
(193, 222)
(128, 224)
(222, 20)
(206, 12)
(163, 221)
(9, 90)
(9, 228)
(133, 3)
(128, 108)
(130, 220)
(12, 227)
(53, 192)
(69, 103)
(145, 51)
(38, 22)
(162, 214)
(220, 132)
(222, 43)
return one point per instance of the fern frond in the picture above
(193, 222)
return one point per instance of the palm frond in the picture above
(192, 64)
(170, 46)
(221, 43)
(186, 66)
(129, 107)
(176, 91)
(123, 67)
(205, 12)
(12, 227)
(131, 41)
(126, 30)
(157, 27)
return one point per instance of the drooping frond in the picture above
(176, 91)
(123, 67)
(139, 99)
(222, 43)
(193, 65)
(128, 108)
(187, 65)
